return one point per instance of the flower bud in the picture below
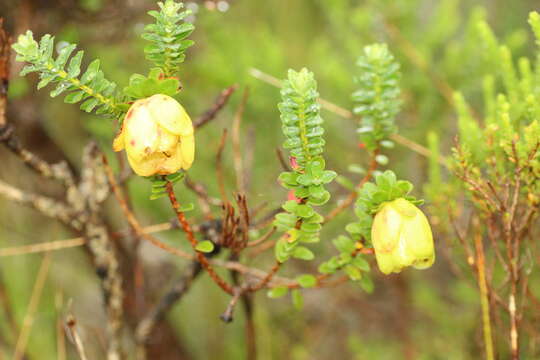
(157, 134)
(402, 237)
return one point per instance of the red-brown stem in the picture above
(193, 241)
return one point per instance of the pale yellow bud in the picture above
(158, 136)
(402, 237)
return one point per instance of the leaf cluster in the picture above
(168, 37)
(377, 97)
(141, 86)
(508, 137)
(301, 125)
(370, 198)
(91, 89)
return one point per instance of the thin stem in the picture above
(220, 102)
(193, 241)
(28, 321)
(484, 296)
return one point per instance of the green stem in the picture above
(302, 125)
(77, 83)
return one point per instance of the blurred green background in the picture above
(417, 315)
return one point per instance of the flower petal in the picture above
(187, 148)
(118, 142)
(167, 141)
(146, 167)
(141, 133)
(170, 115)
(170, 164)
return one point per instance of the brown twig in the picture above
(237, 149)
(220, 102)
(193, 241)
(58, 171)
(156, 314)
(132, 220)
(71, 324)
(261, 284)
(227, 316)
(5, 47)
(219, 166)
(45, 205)
(263, 238)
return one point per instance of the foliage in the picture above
(301, 125)
(377, 97)
(92, 88)
(141, 86)
(453, 47)
(168, 37)
(371, 196)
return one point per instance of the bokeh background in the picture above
(431, 314)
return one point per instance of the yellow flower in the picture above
(402, 237)
(157, 134)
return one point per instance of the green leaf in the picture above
(285, 219)
(89, 104)
(319, 200)
(367, 284)
(326, 268)
(361, 263)
(60, 88)
(344, 244)
(297, 299)
(176, 177)
(304, 211)
(307, 280)
(187, 207)
(352, 272)
(305, 179)
(354, 228)
(328, 176)
(277, 292)
(290, 206)
(303, 253)
(63, 55)
(310, 228)
(155, 196)
(316, 166)
(386, 180)
(205, 246)
(280, 251)
(91, 72)
(74, 97)
(45, 81)
(74, 67)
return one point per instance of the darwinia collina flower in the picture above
(402, 237)
(158, 136)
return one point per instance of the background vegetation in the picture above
(433, 314)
